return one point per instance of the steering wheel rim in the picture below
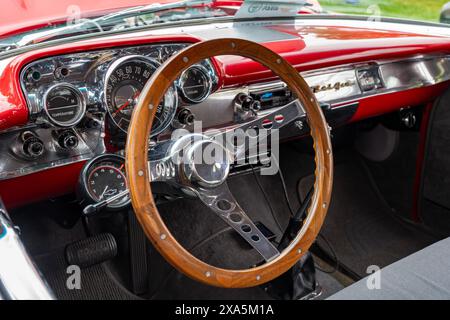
(139, 177)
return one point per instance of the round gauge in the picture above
(104, 177)
(64, 105)
(195, 84)
(124, 83)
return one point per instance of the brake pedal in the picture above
(92, 250)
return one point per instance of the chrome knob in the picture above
(32, 146)
(186, 117)
(67, 140)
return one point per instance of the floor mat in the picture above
(359, 226)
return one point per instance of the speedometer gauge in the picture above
(124, 83)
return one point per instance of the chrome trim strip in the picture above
(19, 277)
(397, 75)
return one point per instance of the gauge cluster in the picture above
(61, 90)
(81, 104)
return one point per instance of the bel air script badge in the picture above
(332, 86)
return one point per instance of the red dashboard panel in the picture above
(41, 185)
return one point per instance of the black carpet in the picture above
(45, 240)
(211, 240)
(360, 227)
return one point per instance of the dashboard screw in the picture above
(140, 173)
(185, 59)
(163, 236)
(208, 274)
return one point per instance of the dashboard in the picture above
(78, 101)
(64, 105)
(80, 105)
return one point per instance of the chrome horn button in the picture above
(207, 163)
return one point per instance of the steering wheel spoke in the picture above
(246, 136)
(222, 202)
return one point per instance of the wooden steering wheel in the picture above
(208, 181)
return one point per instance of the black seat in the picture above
(422, 275)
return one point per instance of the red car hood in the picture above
(18, 16)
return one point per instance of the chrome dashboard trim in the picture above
(396, 75)
(91, 143)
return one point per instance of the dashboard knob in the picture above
(32, 146)
(67, 140)
(255, 106)
(246, 103)
(186, 117)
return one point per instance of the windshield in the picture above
(179, 11)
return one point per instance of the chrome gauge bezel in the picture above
(172, 92)
(82, 105)
(208, 84)
(84, 192)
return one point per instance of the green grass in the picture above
(423, 10)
